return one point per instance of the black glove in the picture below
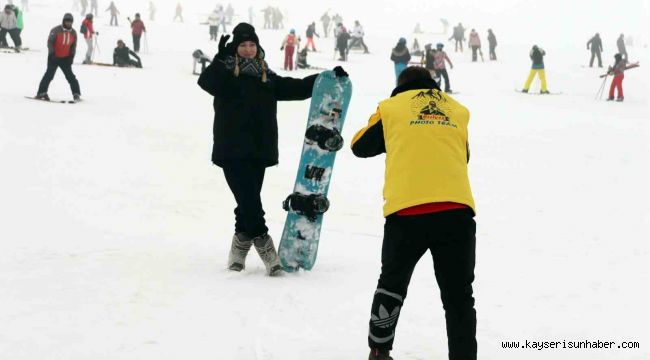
(222, 47)
(340, 72)
(97, 33)
(282, 48)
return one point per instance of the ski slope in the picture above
(115, 226)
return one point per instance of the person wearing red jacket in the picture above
(137, 29)
(62, 47)
(88, 31)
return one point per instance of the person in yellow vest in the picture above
(428, 206)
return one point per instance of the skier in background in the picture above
(342, 40)
(445, 26)
(458, 36)
(618, 70)
(440, 57)
(61, 46)
(246, 134)
(311, 31)
(596, 46)
(620, 45)
(199, 58)
(400, 57)
(84, 6)
(88, 31)
(278, 19)
(122, 56)
(178, 14)
(137, 29)
(428, 207)
(475, 44)
(357, 37)
(152, 11)
(94, 7)
(428, 62)
(289, 45)
(492, 41)
(9, 25)
(326, 19)
(415, 48)
(537, 56)
(213, 23)
(114, 12)
(229, 14)
(268, 17)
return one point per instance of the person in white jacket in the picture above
(357, 37)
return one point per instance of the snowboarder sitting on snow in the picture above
(199, 58)
(618, 70)
(302, 59)
(245, 135)
(122, 56)
(537, 56)
(431, 149)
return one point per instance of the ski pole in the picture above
(97, 44)
(146, 43)
(599, 94)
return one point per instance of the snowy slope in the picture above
(115, 226)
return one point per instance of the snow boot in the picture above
(379, 354)
(238, 251)
(266, 250)
(619, 99)
(545, 92)
(524, 91)
(42, 96)
(610, 99)
(76, 97)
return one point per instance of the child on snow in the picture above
(245, 134)
(429, 147)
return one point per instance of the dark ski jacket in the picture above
(342, 40)
(429, 59)
(311, 31)
(492, 40)
(537, 55)
(245, 112)
(400, 55)
(596, 44)
(121, 56)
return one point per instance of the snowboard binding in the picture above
(308, 205)
(327, 139)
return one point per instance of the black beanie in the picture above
(245, 32)
(68, 17)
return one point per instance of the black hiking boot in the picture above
(379, 354)
(42, 96)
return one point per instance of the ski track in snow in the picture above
(116, 227)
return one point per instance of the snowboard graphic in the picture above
(306, 205)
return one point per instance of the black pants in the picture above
(113, 20)
(595, 54)
(450, 237)
(493, 54)
(474, 52)
(343, 52)
(15, 37)
(136, 42)
(356, 41)
(443, 73)
(245, 179)
(65, 64)
(214, 31)
(459, 44)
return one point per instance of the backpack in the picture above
(84, 29)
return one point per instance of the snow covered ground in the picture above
(115, 225)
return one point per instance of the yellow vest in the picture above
(425, 133)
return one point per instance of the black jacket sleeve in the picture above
(287, 88)
(369, 141)
(214, 79)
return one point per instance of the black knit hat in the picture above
(68, 17)
(245, 32)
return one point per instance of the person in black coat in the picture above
(245, 133)
(595, 44)
(122, 56)
(492, 41)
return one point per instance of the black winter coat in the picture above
(245, 112)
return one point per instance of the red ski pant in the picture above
(288, 57)
(617, 83)
(310, 40)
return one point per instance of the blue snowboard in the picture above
(329, 105)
